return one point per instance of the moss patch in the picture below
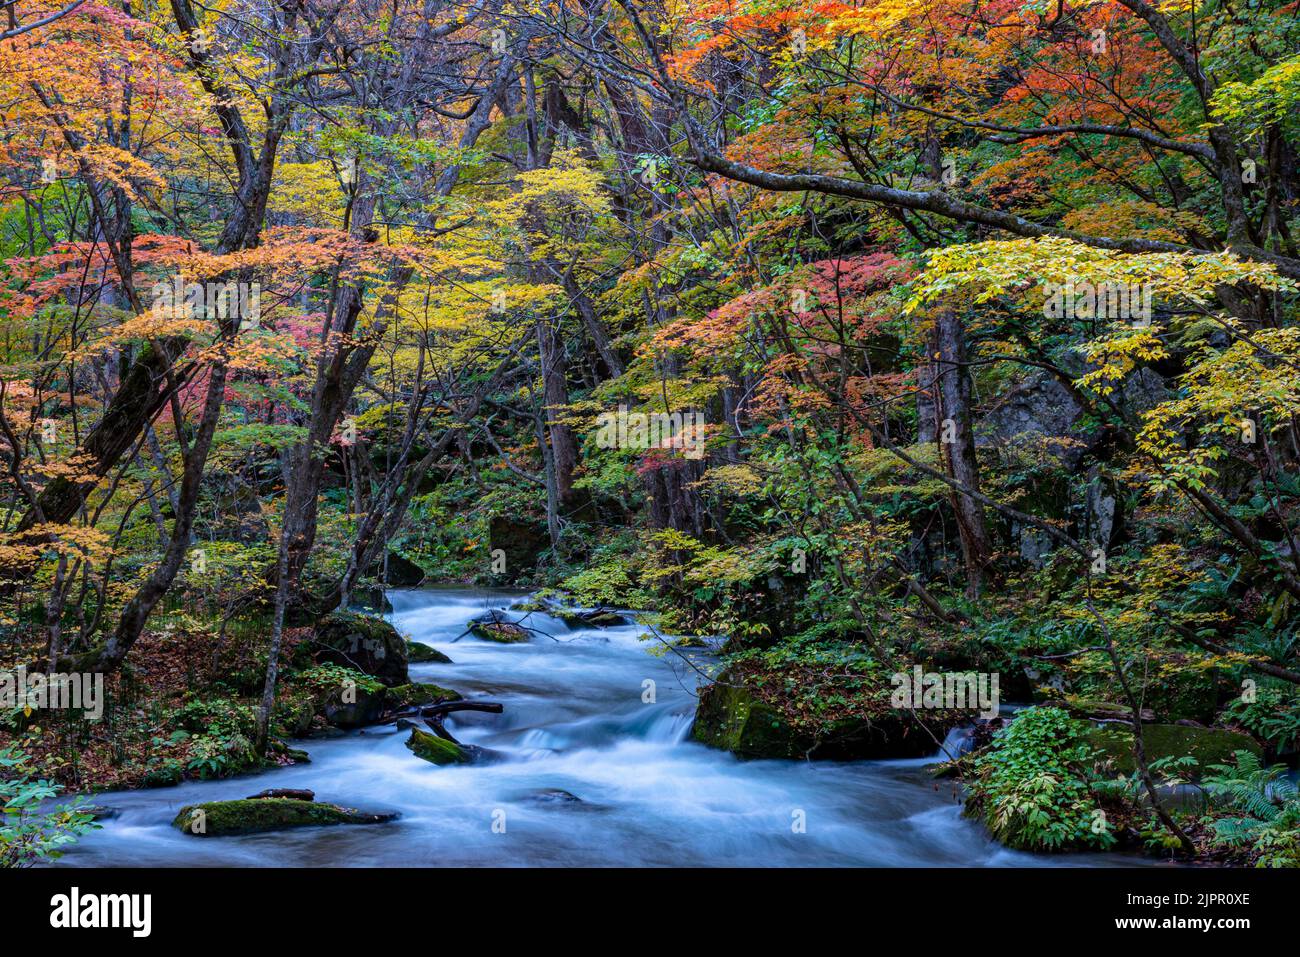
(735, 718)
(417, 692)
(370, 645)
(1207, 745)
(434, 749)
(502, 632)
(220, 818)
(418, 653)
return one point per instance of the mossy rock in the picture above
(607, 619)
(436, 750)
(502, 632)
(1098, 709)
(1207, 745)
(534, 605)
(373, 601)
(253, 816)
(370, 645)
(592, 619)
(418, 653)
(368, 707)
(729, 717)
(418, 692)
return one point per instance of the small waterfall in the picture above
(958, 741)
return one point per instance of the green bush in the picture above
(1273, 717)
(1030, 787)
(28, 833)
(223, 732)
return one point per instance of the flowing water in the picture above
(576, 721)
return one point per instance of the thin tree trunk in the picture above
(957, 445)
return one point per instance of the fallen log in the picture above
(433, 714)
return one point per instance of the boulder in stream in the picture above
(401, 572)
(495, 627)
(418, 653)
(253, 816)
(437, 750)
(552, 796)
(363, 706)
(731, 717)
(368, 644)
(600, 618)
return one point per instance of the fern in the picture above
(1269, 802)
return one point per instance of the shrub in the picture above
(1030, 788)
(29, 834)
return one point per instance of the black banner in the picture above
(141, 908)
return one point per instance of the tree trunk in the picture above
(957, 445)
(555, 396)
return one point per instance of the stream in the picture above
(574, 722)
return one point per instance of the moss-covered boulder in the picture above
(361, 703)
(252, 816)
(732, 718)
(591, 619)
(368, 644)
(436, 750)
(418, 693)
(502, 632)
(354, 707)
(418, 653)
(1207, 745)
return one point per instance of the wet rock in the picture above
(418, 653)
(365, 707)
(437, 750)
(495, 627)
(369, 705)
(418, 693)
(368, 644)
(552, 796)
(220, 818)
(373, 600)
(599, 618)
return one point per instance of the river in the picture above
(576, 721)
